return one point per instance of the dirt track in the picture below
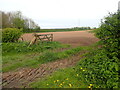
(22, 78)
(74, 38)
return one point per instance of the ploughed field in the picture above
(74, 38)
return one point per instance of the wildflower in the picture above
(66, 78)
(70, 85)
(77, 75)
(63, 82)
(91, 85)
(83, 70)
(54, 81)
(47, 84)
(57, 80)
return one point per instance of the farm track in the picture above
(22, 78)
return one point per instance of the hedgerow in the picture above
(100, 67)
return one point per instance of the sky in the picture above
(62, 13)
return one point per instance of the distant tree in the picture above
(17, 20)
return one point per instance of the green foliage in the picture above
(17, 20)
(22, 47)
(52, 56)
(98, 69)
(109, 33)
(18, 23)
(19, 55)
(11, 34)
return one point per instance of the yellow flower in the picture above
(91, 85)
(83, 70)
(77, 74)
(61, 84)
(66, 78)
(47, 84)
(70, 85)
(54, 81)
(57, 80)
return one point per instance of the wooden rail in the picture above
(41, 38)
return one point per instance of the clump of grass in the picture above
(52, 56)
(22, 47)
(12, 62)
(18, 55)
(64, 78)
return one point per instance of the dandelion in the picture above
(61, 84)
(83, 70)
(77, 75)
(47, 84)
(91, 85)
(66, 78)
(57, 80)
(70, 85)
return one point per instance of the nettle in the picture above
(101, 65)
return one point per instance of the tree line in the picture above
(17, 20)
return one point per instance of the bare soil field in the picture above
(74, 38)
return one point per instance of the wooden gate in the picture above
(41, 38)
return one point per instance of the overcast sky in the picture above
(62, 13)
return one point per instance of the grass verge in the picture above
(28, 58)
(18, 55)
(64, 78)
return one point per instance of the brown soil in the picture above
(74, 38)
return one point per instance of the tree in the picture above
(17, 20)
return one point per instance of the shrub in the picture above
(109, 34)
(11, 34)
(100, 67)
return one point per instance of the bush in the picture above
(11, 34)
(109, 34)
